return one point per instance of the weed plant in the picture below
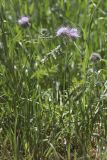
(53, 92)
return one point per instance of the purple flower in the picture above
(73, 33)
(24, 21)
(70, 32)
(62, 31)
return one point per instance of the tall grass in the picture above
(53, 98)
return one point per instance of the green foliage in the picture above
(53, 99)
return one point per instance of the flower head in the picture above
(24, 21)
(62, 31)
(70, 32)
(95, 57)
(73, 33)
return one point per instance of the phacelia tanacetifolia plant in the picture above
(24, 21)
(67, 31)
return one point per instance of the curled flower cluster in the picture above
(70, 32)
(24, 21)
(95, 57)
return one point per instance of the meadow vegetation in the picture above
(53, 89)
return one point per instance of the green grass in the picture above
(53, 99)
